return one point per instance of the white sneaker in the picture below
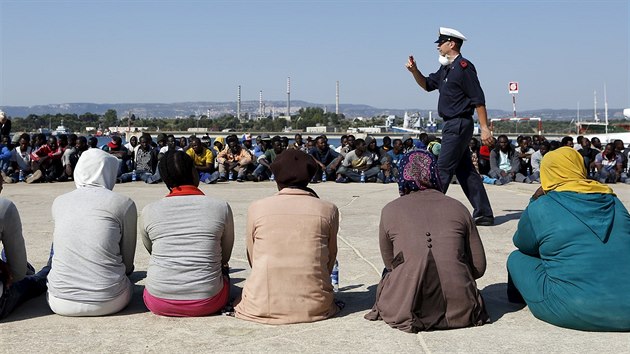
(34, 177)
(6, 178)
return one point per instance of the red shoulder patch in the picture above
(463, 63)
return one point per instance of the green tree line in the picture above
(306, 117)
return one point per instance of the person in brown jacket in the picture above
(291, 248)
(432, 254)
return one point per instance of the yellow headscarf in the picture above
(562, 170)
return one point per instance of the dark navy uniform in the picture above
(460, 93)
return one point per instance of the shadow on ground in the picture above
(496, 300)
(236, 290)
(136, 305)
(356, 301)
(36, 307)
(502, 219)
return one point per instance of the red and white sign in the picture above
(513, 87)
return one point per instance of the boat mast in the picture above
(595, 107)
(578, 119)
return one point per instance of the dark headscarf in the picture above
(177, 169)
(294, 169)
(418, 171)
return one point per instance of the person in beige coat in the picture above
(291, 247)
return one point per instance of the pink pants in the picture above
(188, 308)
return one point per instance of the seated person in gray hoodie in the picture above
(94, 242)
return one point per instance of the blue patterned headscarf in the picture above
(418, 171)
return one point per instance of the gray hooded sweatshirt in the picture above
(94, 236)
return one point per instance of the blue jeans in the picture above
(330, 171)
(355, 176)
(607, 175)
(155, 178)
(488, 180)
(29, 287)
(262, 171)
(206, 177)
(140, 176)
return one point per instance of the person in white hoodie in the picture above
(94, 242)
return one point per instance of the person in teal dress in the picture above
(572, 266)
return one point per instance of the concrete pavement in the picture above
(34, 328)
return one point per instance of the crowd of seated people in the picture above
(604, 163)
(506, 161)
(95, 233)
(39, 158)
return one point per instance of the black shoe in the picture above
(484, 221)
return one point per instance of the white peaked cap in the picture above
(449, 34)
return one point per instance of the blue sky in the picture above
(175, 51)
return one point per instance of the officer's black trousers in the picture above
(455, 160)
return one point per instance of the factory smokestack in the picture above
(238, 103)
(337, 100)
(289, 97)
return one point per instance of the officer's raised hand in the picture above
(411, 64)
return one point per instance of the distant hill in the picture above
(185, 109)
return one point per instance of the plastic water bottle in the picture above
(134, 177)
(21, 178)
(334, 277)
(324, 178)
(231, 178)
(272, 177)
(362, 177)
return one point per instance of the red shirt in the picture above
(45, 150)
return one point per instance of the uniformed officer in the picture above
(460, 96)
